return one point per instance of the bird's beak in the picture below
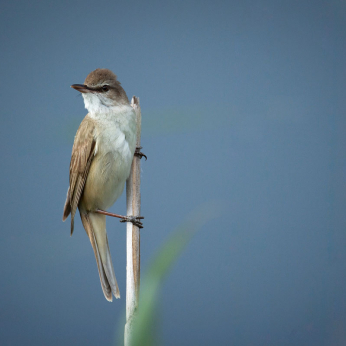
(81, 88)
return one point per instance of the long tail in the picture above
(95, 226)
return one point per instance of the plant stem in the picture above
(133, 202)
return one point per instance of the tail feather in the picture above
(95, 226)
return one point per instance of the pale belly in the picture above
(106, 178)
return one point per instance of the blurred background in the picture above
(243, 103)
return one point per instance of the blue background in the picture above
(243, 103)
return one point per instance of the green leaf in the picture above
(145, 325)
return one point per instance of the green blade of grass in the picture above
(144, 330)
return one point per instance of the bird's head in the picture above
(101, 89)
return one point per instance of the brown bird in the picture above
(101, 159)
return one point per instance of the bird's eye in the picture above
(105, 88)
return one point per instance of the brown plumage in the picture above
(102, 76)
(106, 288)
(82, 155)
(100, 164)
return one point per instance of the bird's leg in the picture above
(136, 220)
(139, 153)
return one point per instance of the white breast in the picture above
(115, 135)
(116, 130)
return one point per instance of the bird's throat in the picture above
(97, 104)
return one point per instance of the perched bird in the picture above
(101, 159)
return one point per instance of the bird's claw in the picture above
(139, 153)
(133, 219)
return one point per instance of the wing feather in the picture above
(82, 155)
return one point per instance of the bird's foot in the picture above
(139, 153)
(136, 220)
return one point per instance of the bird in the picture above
(102, 154)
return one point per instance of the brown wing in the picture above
(82, 154)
